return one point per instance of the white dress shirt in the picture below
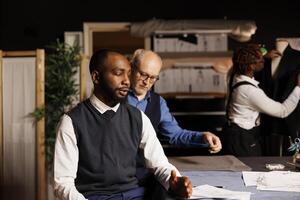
(248, 101)
(66, 154)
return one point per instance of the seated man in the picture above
(146, 66)
(98, 141)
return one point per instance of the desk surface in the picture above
(226, 171)
(259, 163)
(233, 181)
(229, 163)
(214, 163)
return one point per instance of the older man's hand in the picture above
(181, 186)
(213, 141)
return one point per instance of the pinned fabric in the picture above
(293, 42)
(108, 114)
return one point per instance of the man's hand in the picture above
(214, 142)
(181, 186)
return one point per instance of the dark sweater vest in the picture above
(153, 110)
(107, 148)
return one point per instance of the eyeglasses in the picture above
(144, 76)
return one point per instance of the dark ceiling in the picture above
(33, 24)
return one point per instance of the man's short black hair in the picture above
(99, 57)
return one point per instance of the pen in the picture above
(219, 186)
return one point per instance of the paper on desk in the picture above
(208, 191)
(274, 180)
(250, 178)
(279, 181)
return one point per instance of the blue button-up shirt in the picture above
(168, 125)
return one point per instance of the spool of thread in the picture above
(263, 50)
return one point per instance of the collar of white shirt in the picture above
(240, 78)
(100, 106)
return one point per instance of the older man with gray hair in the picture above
(146, 66)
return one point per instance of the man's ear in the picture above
(95, 77)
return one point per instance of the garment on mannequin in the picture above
(281, 45)
(284, 81)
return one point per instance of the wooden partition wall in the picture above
(40, 173)
(83, 76)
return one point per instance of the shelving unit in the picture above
(194, 108)
(217, 54)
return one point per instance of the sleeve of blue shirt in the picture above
(169, 127)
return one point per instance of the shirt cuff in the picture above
(197, 140)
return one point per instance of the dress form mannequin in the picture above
(284, 79)
(281, 45)
(278, 86)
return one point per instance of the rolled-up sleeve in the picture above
(66, 161)
(264, 104)
(170, 128)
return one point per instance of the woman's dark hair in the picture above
(244, 56)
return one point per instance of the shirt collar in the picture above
(147, 96)
(240, 78)
(100, 106)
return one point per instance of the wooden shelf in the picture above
(198, 95)
(195, 54)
